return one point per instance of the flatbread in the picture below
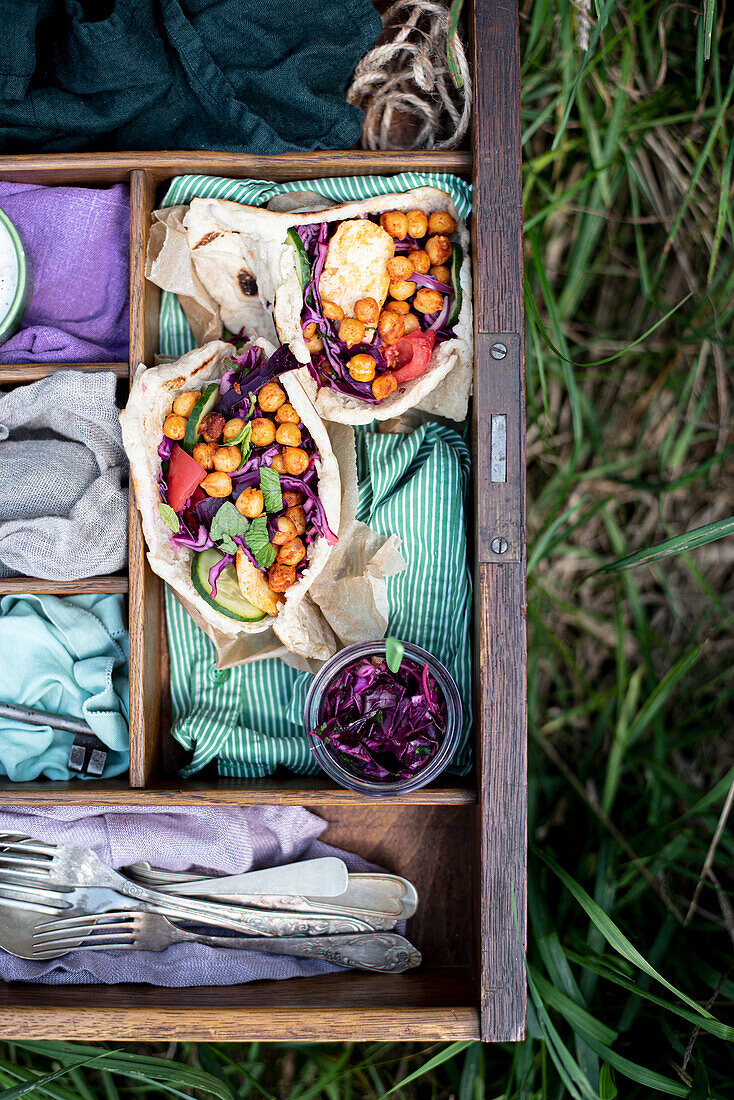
(226, 237)
(151, 395)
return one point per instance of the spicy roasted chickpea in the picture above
(315, 344)
(227, 459)
(442, 273)
(362, 367)
(295, 461)
(286, 531)
(351, 331)
(292, 552)
(395, 223)
(232, 429)
(332, 311)
(203, 453)
(271, 397)
(286, 414)
(402, 289)
(297, 516)
(212, 427)
(428, 301)
(309, 330)
(288, 435)
(174, 426)
(184, 403)
(391, 328)
(384, 385)
(217, 484)
(278, 464)
(367, 311)
(250, 503)
(417, 223)
(439, 249)
(411, 322)
(399, 267)
(420, 261)
(281, 577)
(396, 307)
(291, 498)
(263, 432)
(441, 221)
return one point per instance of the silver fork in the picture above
(28, 861)
(136, 931)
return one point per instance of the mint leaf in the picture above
(257, 539)
(227, 522)
(394, 653)
(242, 437)
(270, 488)
(169, 517)
(229, 545)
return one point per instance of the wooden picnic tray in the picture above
(462, 841)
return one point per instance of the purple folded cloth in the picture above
(78, 242)
(222, 840)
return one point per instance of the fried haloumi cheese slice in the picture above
(356, 264)
(254, 585)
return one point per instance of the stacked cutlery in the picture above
(56, 899)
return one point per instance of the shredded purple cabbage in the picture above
(217, 569)
(164, 449)
(380, 724)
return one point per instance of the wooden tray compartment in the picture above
(462, 841)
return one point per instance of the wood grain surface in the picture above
(423, 1005)
(20, 585)
(16, 374)
(500, 511)
(144, 605)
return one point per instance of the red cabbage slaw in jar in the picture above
(382, 725)
(272, 492)
(401, 353)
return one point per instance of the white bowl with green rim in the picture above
(15, 279)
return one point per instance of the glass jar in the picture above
(438, 762)
(15, 279)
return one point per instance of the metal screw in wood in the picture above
(498, 351)
(498, 545)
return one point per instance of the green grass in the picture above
(628, 151)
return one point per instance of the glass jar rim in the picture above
(16, 305)
(438, 762)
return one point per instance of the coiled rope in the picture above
(404, 85)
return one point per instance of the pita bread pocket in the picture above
(383, 265)
(238, 489)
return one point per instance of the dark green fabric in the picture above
(256, 76)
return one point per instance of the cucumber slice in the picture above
(229, 600)
(204, 405)
(457, 259)
(303, 264)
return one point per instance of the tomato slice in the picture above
(414, 355)
(184, 476)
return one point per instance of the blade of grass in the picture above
(613, 935)
(691, 540)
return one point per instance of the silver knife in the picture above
(324, 878)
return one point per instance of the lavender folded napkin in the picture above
(78, 242)
(219, 840)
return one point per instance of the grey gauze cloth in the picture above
(63, 498)
(217, 840)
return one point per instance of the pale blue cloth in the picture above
(64, 656)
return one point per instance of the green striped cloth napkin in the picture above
(250, 718)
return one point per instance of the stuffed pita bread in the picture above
(313, 271)
(237, 486)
